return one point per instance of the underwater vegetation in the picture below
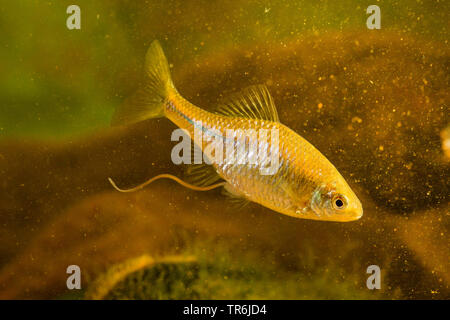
(374, 103)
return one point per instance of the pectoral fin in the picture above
(202, 174)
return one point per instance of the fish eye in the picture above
(339, 202)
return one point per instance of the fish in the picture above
(304, 184)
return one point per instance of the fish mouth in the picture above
(357, 214)
(322, 214)
(355, 217)
(358, 210)
(329, 215)
(347, 217)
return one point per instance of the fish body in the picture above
(303, 183)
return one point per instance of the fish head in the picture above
(336, 201)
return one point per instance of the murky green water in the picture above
(375, 102)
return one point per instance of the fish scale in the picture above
(255, 186)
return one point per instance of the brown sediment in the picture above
(107, 229)
(373, 110)
(427, 236)
(100, 288)
(41, 179)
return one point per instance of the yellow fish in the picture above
(304, 183)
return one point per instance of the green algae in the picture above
(223, 277)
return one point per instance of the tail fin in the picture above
(148, 102)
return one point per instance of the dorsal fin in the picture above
(253, 102)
